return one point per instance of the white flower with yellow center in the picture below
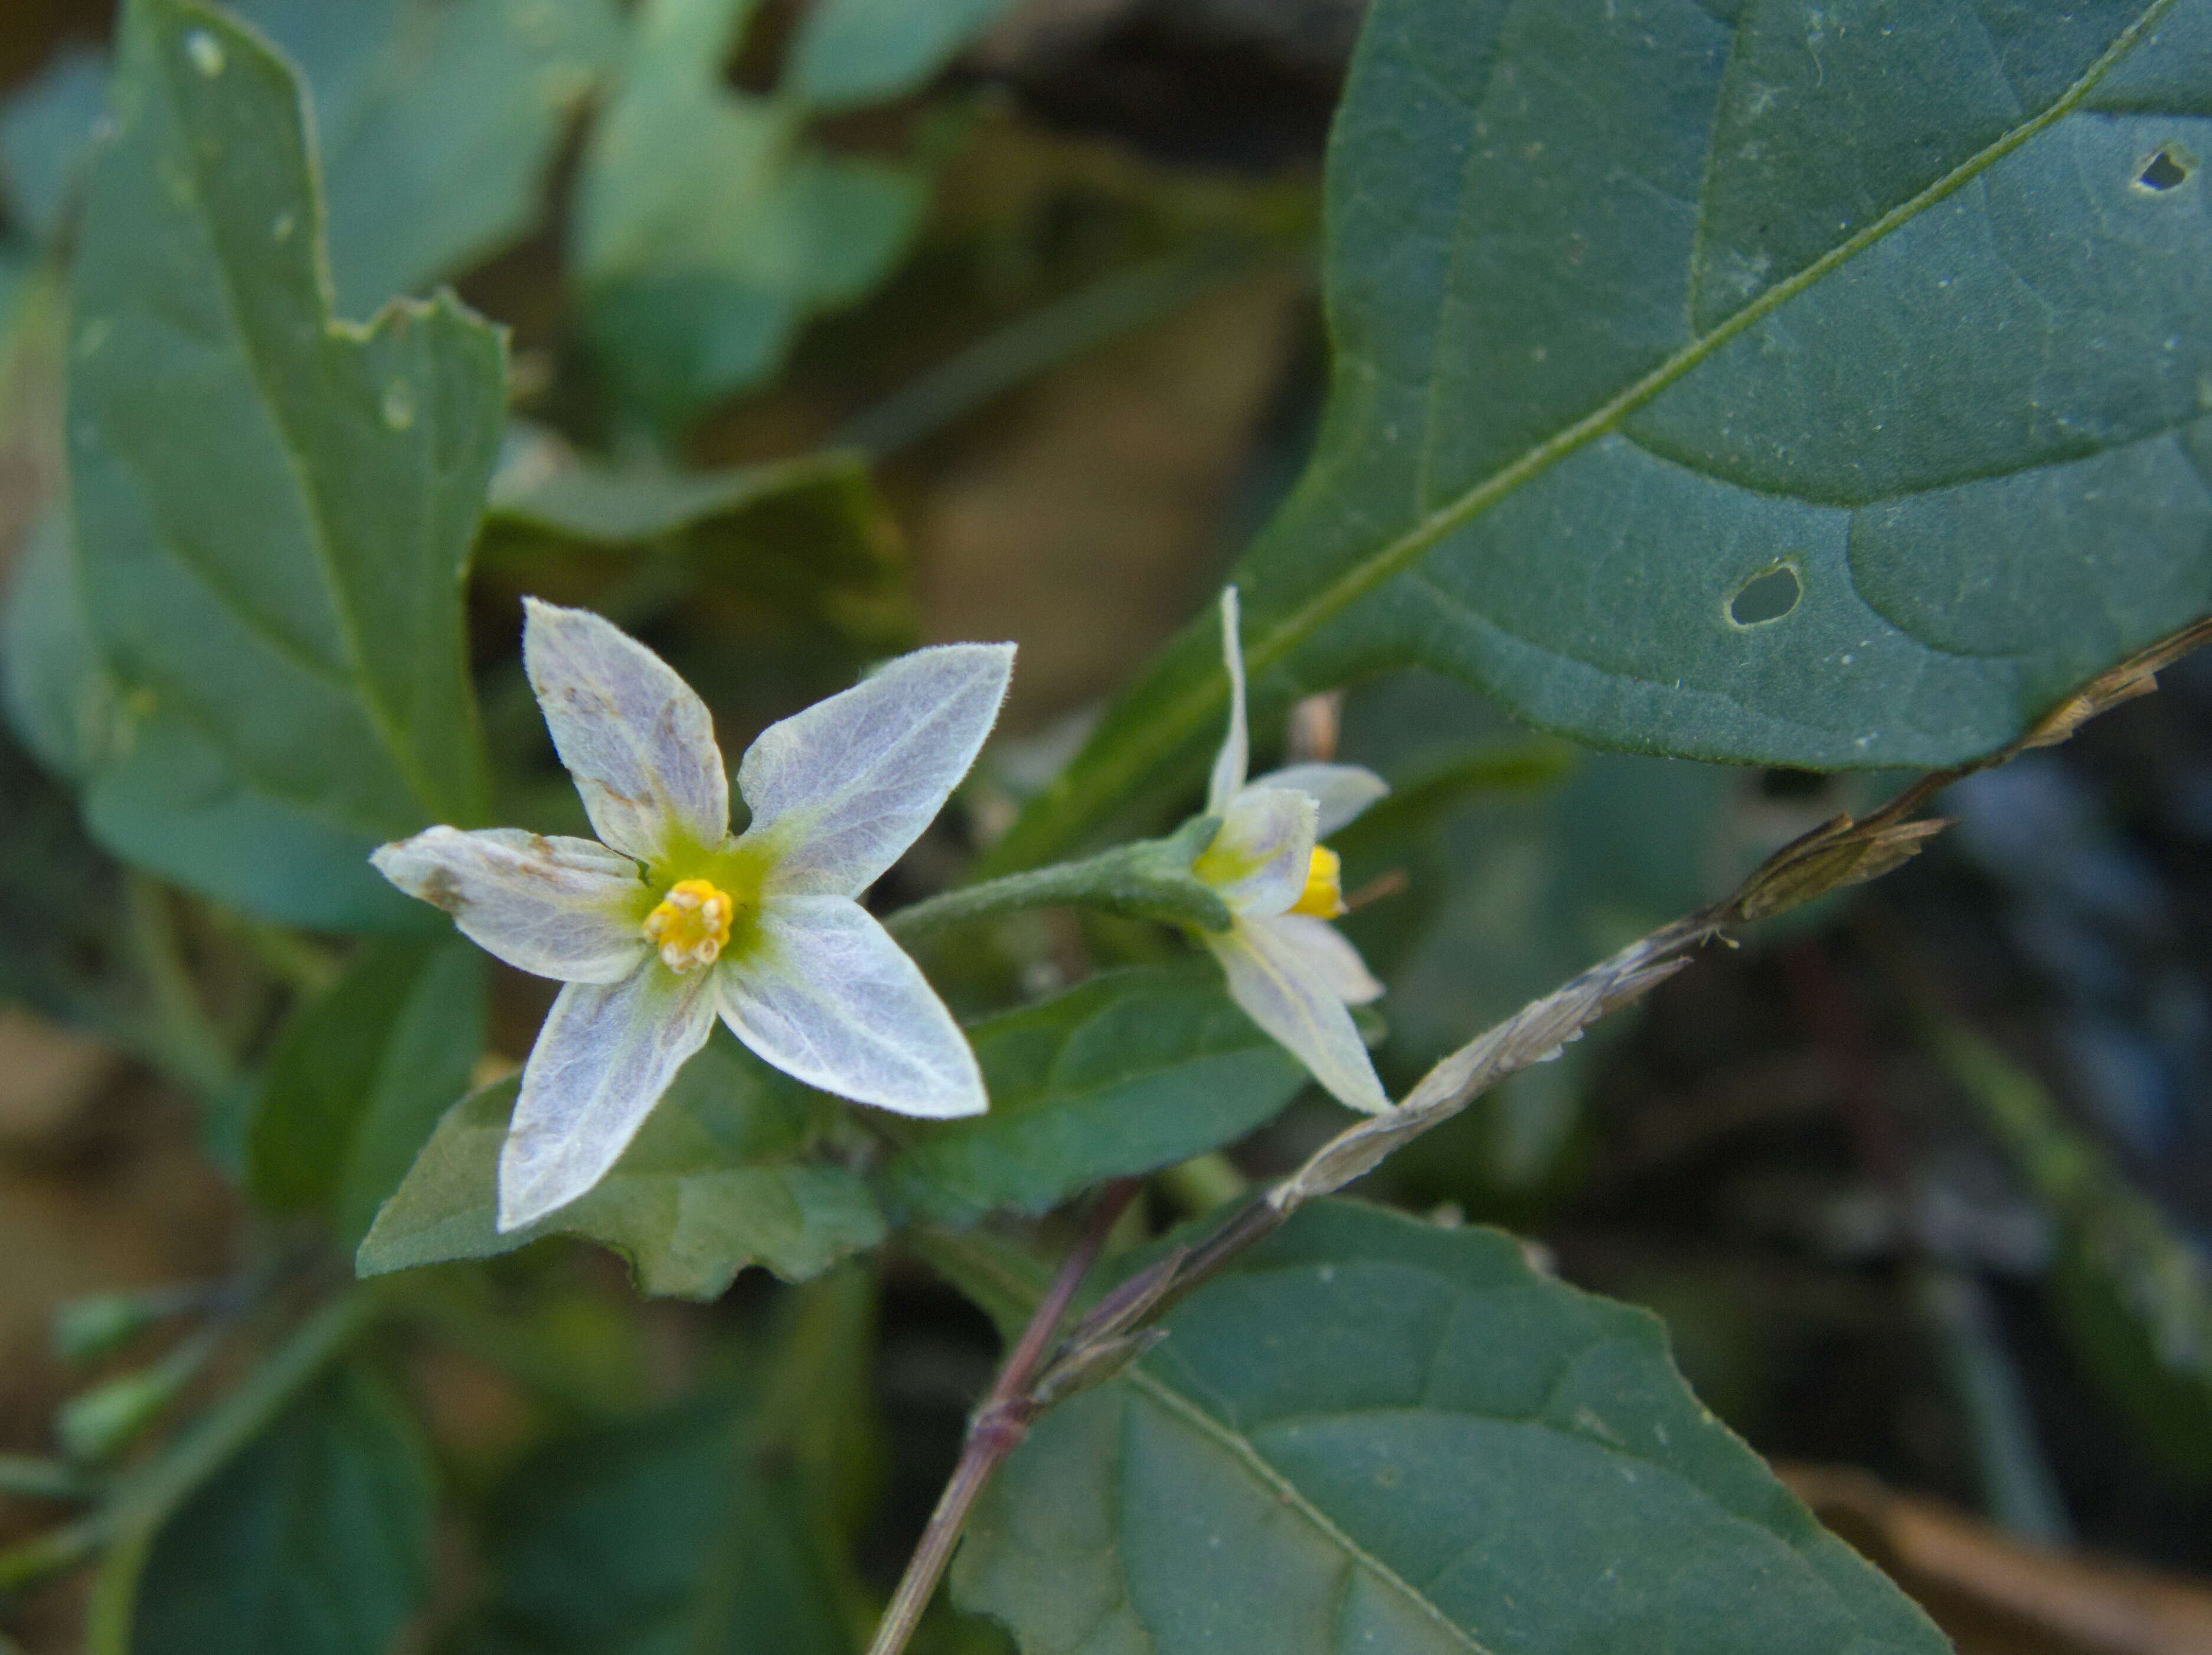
(667, 920)
(1286, 965)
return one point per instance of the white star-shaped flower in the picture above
(1286, 965)
(667, 920)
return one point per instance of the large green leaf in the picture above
(360, 1076)
(274, 509)
(1635, 300)
(1376, 1436)
(434, 122)
(708, 228)
(1131, 1071)
(314, 1540)
(675, 1535)
(719, 1178)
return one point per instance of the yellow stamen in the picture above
(1323, 897)
(692, 925)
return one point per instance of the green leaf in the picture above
(716, 1180)
(852, 52)
(436, 121)
(360, 1076)
(807, 537)
(674, 1535)
(1378, 1436)
(273, 509)
(314, 1540)
(1131, 1071)
(56, 689)
(45, 129)
(435, 124)
(708, 228)
(1632, 304)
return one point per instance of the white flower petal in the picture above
(606, 1054)
(843, 788)
(567, 909)
(825, 995)
(1342, 791)
(1236, 755)
(1283, 990)
(1331, 955)
(1259, 861)
(637, 738)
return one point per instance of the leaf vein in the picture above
(1294, 1498)
(1266, 647)
(401, 754)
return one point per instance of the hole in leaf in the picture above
(1766, 596)
(2163, 171)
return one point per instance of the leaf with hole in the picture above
(360, 1077)
(273, 509)
(1637, 308)
(719, 1177)
(315, 1540)
(1376, 1436)
(1133, 1071)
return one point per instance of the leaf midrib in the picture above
(1186, 711)
(400, 752)
(1293, 1498)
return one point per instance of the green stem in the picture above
(1065, 885)
(999, 1424)
(1151, 880)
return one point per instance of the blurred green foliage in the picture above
(263, 615)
